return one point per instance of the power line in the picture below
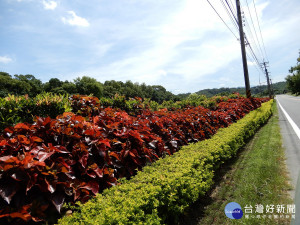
(251, 50)
(232, 5)
(230, 16)
(251, 35)
(232, 13)
(245, 41)
(254, 29)
(260, 30)
(250, 32)
(222, 19)
(257, 67)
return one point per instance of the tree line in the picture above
(29, 84)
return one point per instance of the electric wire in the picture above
(232, 12)
(251, 51)
(232, 5)
(254, 29)
(251, 35)
(235, 22)
(260, 31)
(262, 41)
(258, 68)
(230, 16)
(222, 19)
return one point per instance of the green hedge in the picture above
(17, 109)
(163, 190)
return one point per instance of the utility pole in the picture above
(242, 39)
(272, 89)
(268, 80)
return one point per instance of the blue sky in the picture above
(180, 44)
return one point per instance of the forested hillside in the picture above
(261, 90)
(29, 84)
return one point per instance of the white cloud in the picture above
(23, 0)
(182, 44)
(177, 45)
(75, 20)
(177, 48)
(185, 50)
(5, 59)
(49, 5)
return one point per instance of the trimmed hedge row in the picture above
(162, 191)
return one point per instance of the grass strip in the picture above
(258, 175)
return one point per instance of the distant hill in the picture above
(261, 90)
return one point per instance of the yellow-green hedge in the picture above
(161, 192)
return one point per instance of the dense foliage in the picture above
(161, 192)
(20, 85)
(75, 156)
(293, 80)
(28, 84)
(16, 109)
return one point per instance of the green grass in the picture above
(257, 176)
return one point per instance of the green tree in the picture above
(111, 88)
(87, 85)
(160, 94)
(69, 87)
(53, 85)
(9, 85)
(36, 85)
(293, 80)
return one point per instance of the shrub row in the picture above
(162, 191)
(71, 158)
(88, 106)
(16, 109)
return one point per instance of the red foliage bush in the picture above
(73, 157)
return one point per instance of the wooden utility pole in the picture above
(242, 39)
(268, 80)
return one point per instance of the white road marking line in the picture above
(294, 126)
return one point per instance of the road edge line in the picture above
(293, 124)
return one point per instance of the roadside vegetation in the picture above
(293, 80)
(162, 191)
(79, 154)
(256, 176)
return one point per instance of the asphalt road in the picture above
(290, 133)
